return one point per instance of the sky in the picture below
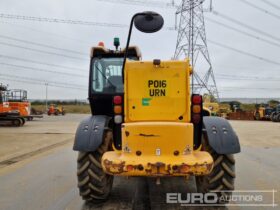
(62, 58)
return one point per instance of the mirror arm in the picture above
(128, 41)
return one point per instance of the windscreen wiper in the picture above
(103, 75)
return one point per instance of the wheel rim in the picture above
(16, 122)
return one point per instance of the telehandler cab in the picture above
(146, 122)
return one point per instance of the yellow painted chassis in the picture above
(157, 149)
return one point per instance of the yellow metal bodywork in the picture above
(157, 93)
(157, 149)
(157, 136)
(261, 112)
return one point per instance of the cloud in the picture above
(160, 45)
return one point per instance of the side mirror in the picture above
(148, 22)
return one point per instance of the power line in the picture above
(79, 41)
(68, 21)
(42, 81)
(41, 45)
(260, 9)
(41, 63)
(242, 32)
(239, 77)
(42, 70)
(244, 53)
(246, 68)
(247, 79)
(38, 83)
(271, 4)
(252, 88)
(40, 51)
(245, 25)
(56, 20)
(142, 3)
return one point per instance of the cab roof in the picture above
(99, 51)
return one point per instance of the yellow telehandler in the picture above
(146, 122)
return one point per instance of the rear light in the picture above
(196, 109)
(118, 119)
(117, 100)
(196, 118)
(117, 109)
(197, 99)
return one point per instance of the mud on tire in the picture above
(93, 183)
(220, 179)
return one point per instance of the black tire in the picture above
(22, 121)
(257, 116)
(278, 118)
(93, 183)
(220, 179)
(17, 122)
(273, 117)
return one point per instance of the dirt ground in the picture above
(37, 134)
(262, 134)
(51, 130)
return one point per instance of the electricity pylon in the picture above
(192, 43)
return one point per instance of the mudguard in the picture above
(89, 134)
(221, 137)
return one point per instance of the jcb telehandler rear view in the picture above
(146, 122)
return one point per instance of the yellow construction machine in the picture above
(147, 122)
(56, 110)
(262, 112)
(210, 105)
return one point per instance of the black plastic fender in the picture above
(221, 137)
(89, 134)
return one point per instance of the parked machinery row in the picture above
(265, 112)
(275, 115)
(233, 111)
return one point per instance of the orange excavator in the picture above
(7, 115)
(17, 99)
